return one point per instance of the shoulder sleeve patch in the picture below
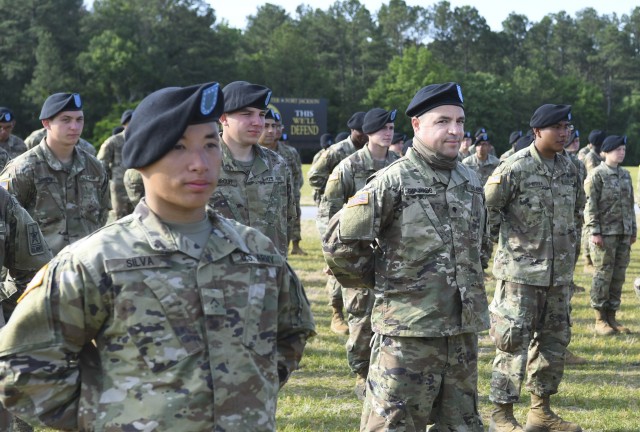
(494, 179)
(35, 282)
(360, 198)
(334, 176)
(36, 241)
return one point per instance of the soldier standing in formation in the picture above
(326, 141)
(64, 189)
(413, 235)
(533, 199)
(513, 138)
(11, 144)
(467, 142)
(110, 155)
(591, 160)
(346, 179)
(318, 175)
(100, 325)
(611, 223)
(37, 135)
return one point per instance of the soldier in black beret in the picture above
(465, 146)
(9, 143)
(513, 139)
(255, 187)
(397, 142)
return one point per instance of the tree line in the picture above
(120, 50)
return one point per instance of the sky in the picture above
(494, 11)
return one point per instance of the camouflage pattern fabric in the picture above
(103, 341)
(23, 249)
(110, 155)
(291, 156)
(583, 152)
(506, 154)
(67, 203)
(531, 329)
(262, 199)
(134, 185)
(318, 155)
(432, 381)
(591, 160)
(416, 241)
(349, 176)
(4, 159)
(36, 138)
(322, 168)
(581, 172)
(610, 213)
(14, 146)
(532, 214)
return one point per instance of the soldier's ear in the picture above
(223, 120)
(46, 124)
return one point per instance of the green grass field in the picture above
(603, 395)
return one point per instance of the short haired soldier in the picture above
(611, 222)
(346, 179)
(412, 235)
(171, 318)
(10, 143)
(592, 159)
(533, 199)
(64, 189)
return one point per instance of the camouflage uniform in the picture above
(134, 185)
(36, 137)
(591, 160)
(610, 213)
(322, 168)
(413, 236)
(110, 155)
(262, 199)
(532, 213)
(483, 169)
(318, 155)
(68, 203)
(583, 152)
(348, 177)
(4, 158)
(14, 146)
(506, 154)
(581, 171)
(105, 343)
(291, 156)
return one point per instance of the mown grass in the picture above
(603, 395)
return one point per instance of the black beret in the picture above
(433, 96)
(277, 117)
(467, 134)
(356, 120)
(270, 114)
(479, 132)
(398, 137)
(59, 102)
(116, 130)
(513, 137)
(575, 134)
(376, 118)
(523, 142)
(126, 117)
(6, 115)
(482, 137)
(550, 114)
(407, 145)
(242, 94)
(284, 137)
(596, 137)
(162, 117)
(326, 140)
(612, 142)
(342, 136)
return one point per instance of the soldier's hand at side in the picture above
(633, 239)
(596, 239)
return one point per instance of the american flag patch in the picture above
(361, 198)
(494, 180)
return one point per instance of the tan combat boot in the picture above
(503, 420)
(360, 388)
(615, 324)
(542, 419)
(338, 325)
(603, 328)
(572, 359)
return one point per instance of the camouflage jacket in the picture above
(532, 214)
(416, 241)
(110, 155)
(506, 154)
(36, 137)
(133, 185)
(4, 158)
(610, 201)
(581, 172)
(323, 167)
(294, 163)
(482, 168)
(138, 328)
(14, 146)
(349, 176)
(66, 204)
(591, 160)
(583, 152)
(263, 199)
(22, 247)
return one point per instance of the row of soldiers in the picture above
(175, 316)
(406, 244)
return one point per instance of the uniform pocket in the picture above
(506, 332)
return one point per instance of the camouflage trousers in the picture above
(358, 304)
(295, 234)
(486, 251)
(531, 328)
(414, 382)
(584, 241)
(610, 263)
(334, 289)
